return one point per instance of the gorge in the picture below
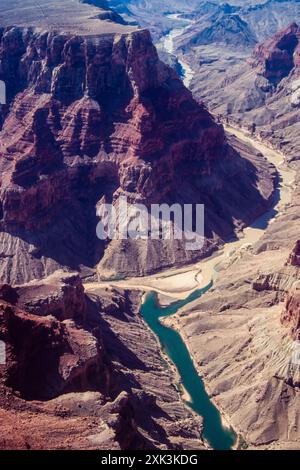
(169, 285)
(197, 316)
(249, 238)
(93, 114)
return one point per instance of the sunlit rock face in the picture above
(294, 258)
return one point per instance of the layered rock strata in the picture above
(261, 93)
(243, 335)
(92, 381)
(94, 118)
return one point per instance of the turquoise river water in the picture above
(215, 433)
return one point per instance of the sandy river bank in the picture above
(177, 284)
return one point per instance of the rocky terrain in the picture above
(245, 330)
(263, 17)
(81, 371)
(219, 32)
(243, 333)
(92, 118)
(247, 22)
(78, 17)
(92, 115)
(261, 95)
(242, 337)
(216, 42)
(77, 378)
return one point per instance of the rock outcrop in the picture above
(294, 258)
(46, 358)
(51, 348)
(93, 115)
(243, 337)
(93, 118)
(69, 384)
(108, 14)
(278, 56)
(227, 29)
(60, 295)
(291, 312)
(261, 93)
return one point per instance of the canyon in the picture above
(79, 379)
(57, 167)
(262, 93)
(245, 330)
(94, 114)
(237, 314)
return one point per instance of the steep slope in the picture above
(67, 15)
(101, 117)
(214, 24)
(91, 117)
(242, 336)
(263, 17)
(276, 58)
(211, 49)
(70, 383)
(263, 93)
(225, 29)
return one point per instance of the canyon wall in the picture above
(261, 92)
(78, 373)
(244, 336)
(92, 115)
(90, 119)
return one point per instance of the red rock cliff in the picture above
(102, 116)
(276, 57)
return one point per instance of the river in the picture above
(182, 286)
(167, 43)
(215, 433)
(179, 287)
(218, 435)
